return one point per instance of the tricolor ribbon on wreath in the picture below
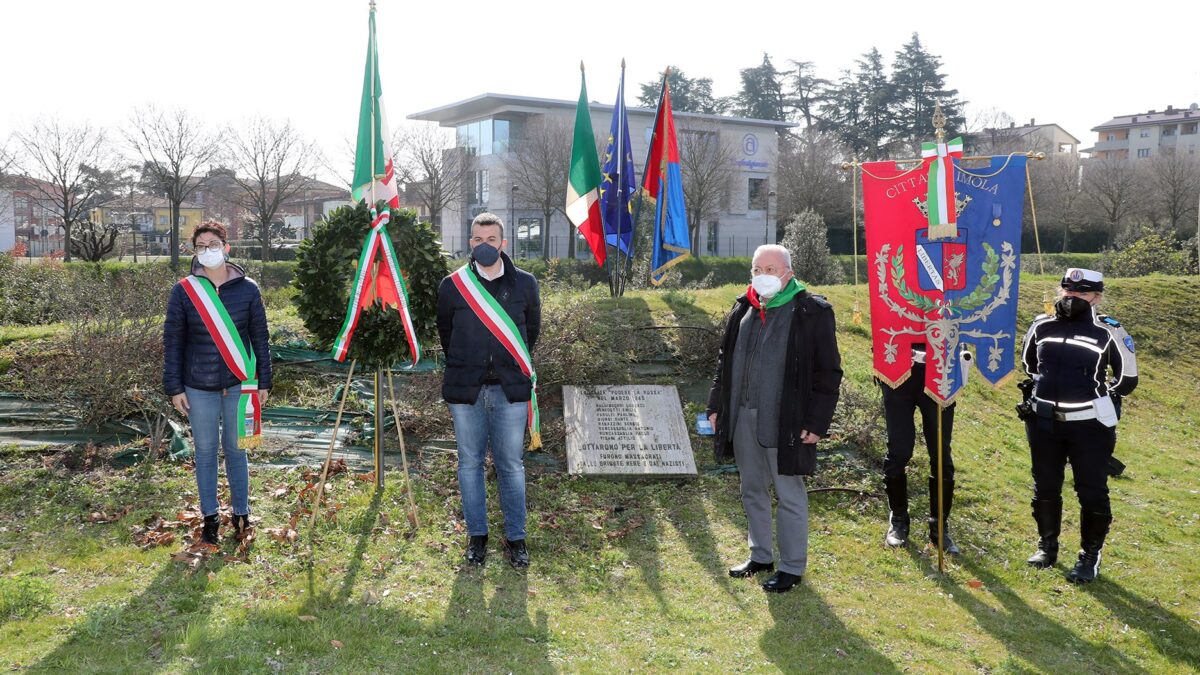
(501, 326)
(237, 354)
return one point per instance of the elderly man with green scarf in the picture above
(777, 383)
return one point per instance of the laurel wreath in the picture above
(980, 295)
(326, 266)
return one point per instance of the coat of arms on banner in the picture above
(945, 292)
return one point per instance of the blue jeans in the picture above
(213, 415)
(492, 421)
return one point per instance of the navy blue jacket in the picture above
(473, 355)
(191, 358)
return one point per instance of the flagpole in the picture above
(620, 266)
(378, 371)
(637, 209)
(941, 524)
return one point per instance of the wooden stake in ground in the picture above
(379, 428)
(412, 504)
(329, 454)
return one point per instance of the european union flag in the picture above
(619, 181)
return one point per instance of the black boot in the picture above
(948, 544)
(517, 552)
(477, 549)
(241, 524)
(1047, 513)
(896, 488)
(1093, 527)
(211, 524)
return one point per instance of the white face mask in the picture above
(766, 285)
(210, 259)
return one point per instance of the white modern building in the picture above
(489, 125)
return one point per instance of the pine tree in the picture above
(687, 94)
(807, 93)
(761, 96)
(918, 85)
(859, 108)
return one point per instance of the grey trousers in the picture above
(759, 468)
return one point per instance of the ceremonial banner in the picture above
(663, 181)
(944, 291)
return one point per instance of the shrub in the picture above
(32, 294)
(806, 238)
(1147, 255)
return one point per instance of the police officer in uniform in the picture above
(1071, 414)
(899, 404)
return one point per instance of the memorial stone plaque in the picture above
(626, 430)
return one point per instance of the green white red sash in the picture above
(501, 326)
(383, 282)
(238, 356)
(941, 207)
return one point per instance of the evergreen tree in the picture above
(918, 85)
(860, 108)
(807, 93)
(761, 96)
(687, 94)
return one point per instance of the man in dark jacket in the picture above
(488, 318)
(777, 383)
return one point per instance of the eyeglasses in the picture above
(216, 247)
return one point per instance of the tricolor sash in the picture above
(941, 202)
(383, 282)
(238, 356)
(501, 326)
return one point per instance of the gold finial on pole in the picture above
(939, 123)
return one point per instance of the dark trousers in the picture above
(1087, 444)
(899, 404)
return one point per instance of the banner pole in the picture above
(940, 504)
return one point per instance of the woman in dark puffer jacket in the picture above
(196, 371)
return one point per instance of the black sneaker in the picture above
(241, 524)
(517, 553)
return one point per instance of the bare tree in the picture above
(706, 161)
(271, 163)
(1058, 188)
(1111, 185)
(537, 165)
(1173, 182)
(809, 175)
(177, 149)
(431, 166)
(66, 160)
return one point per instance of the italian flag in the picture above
(583, 183)
(373, 167)
(379, 277)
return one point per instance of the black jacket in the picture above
(190, 356)
(811, 382)
(473, 355)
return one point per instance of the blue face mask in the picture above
(485, 254)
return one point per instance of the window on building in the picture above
(1169, 130)
(164, 220)
(757, 194)
(1144, 132)
(479, 189)
(1111, 137)
(529, 236)
(1143, 152)
(500, 136)
(1188, 129)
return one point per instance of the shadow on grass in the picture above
(1169, 632)
(1026, 633)
(804, 623)
(132, 636)
(686, 511)
(478, 624)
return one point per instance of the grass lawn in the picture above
(630, 576)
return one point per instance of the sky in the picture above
(224, 61)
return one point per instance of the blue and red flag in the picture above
(619, 182)
(664, 183)
(944, 292)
